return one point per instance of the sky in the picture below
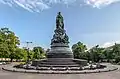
(89, 21)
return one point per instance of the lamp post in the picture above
(28, 54)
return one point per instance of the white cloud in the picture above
(30, 5)
(107, 44)
(38, 5)
(100, 3)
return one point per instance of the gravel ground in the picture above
(103, 75)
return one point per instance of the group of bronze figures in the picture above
(60, 36)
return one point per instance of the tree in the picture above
(96, 54)
(87, 56)
(116, 49)
(8, 43)
(25, 52)
(79, 50)
(39, 53)
(112, 52)
(19, 54)
(108, 54)
(4, 51)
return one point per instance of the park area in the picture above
(59, 39)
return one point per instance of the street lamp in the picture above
(28, 54)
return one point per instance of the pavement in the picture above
(104, 75)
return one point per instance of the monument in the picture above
(60, 53)
(60, 57)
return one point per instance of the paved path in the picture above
(104, 75)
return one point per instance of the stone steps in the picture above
(57, 63)
(44, 65)
(65, 62)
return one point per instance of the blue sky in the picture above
(91, 21)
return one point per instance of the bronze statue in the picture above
(60, 36)
(59, 21)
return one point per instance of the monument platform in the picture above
(59, 62)
(109, 67)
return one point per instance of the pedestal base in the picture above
(59, 56)
(59, 50)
